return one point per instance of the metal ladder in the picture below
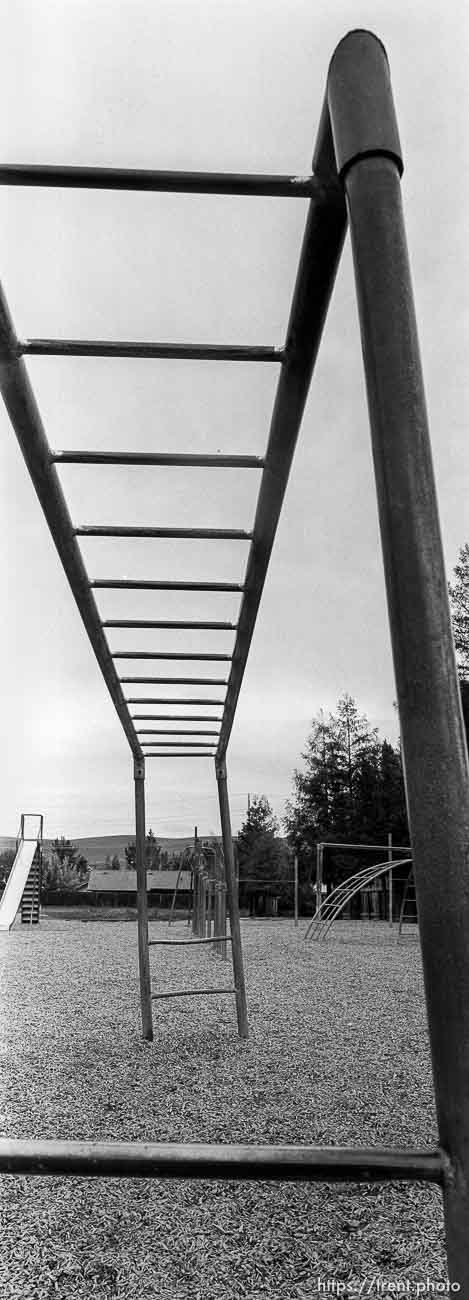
(208, 914)
(408, 913)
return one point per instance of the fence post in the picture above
(390, 876)
(232, 894)
(368, 157)
(142, 901)
(295, 884)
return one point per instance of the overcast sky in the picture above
(208, 85)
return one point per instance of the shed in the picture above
(119, 888)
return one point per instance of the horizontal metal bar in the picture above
(396, 848)
(153, 731)
(156, 458)
(178, 681)
(202, 534)
(320, 254)
(150, 181)
(174, 717)
(187, 943)
(178, 744)
(164, 700)
(147, 351)
(171, 626)
(189, 993)
(129, 584)
(204, 1160)
(24, 414)
(162, 654)
(165, 755)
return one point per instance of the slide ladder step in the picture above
(30, 901)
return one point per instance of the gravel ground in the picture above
(338, 1054)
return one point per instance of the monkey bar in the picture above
(357, 168)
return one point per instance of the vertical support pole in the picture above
(368, 157)
(212, 908)
(232, 895)
(196, 880)
(222, 887)
(295, 885)
(142, 901)
(216, 917)
(194, 897)
(390, 875)
(203, 903)
(195, 913)
(208, 908)
(190, 910)
(319, 858)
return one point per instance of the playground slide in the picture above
(14, 887)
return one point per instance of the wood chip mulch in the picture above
(338, 1054)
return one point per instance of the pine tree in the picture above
(393, 800)
(260, 820)
(152, 852)
(351, 789)
(459, 600)
(262, 855)
(334, 792)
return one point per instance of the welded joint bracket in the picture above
(451, 1171)
(139, 769)
(220, 769)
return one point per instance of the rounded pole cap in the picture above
(360, 101)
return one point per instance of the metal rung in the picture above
(170, 654)
(189, 943)
(179, 624)
(130, 584)
(211, 755)
(179, 744)
(204, 461)
(189, 993)
(156, 700)
(173, 717)
(201, 534)
(165, 731)
(222, 1160)
(168, 182)
(147, 351)
(176, 681)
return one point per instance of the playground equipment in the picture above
(334, 904)
(408, 913)
(209, 897)
(23, 887)
(385, 869)
(356, 173)
(276, 884)
(208, 888)
(208, 913)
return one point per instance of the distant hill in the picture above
(97, 848)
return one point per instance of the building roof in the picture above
(125, 881)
